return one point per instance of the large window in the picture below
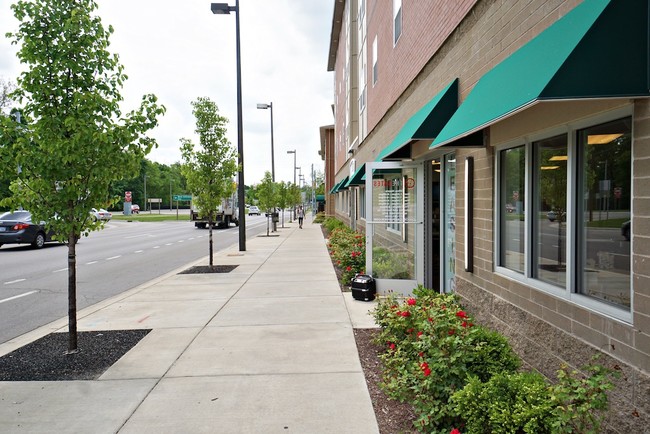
(512, 201)
(375, 70)
(571, 234)
(604, 223)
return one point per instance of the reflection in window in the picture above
(397, 20)
(604, 229)
(551, 156)
(512, 221)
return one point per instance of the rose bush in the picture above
(460, 376)
(348, 251)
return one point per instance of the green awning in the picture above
(320, 198)
(341, 185)
(333, 189)
(425, 124)
(358, 177)
(598, 50)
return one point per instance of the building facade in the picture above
(500, 149)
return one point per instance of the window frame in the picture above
(571, 292)
(398, 13)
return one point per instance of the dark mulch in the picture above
(204, 269)
(392, 416)
(46, 359)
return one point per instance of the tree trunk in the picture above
(210, 224)
(72, 294)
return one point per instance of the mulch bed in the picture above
(46, 359)
(205, 269)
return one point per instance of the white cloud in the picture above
(180, 51)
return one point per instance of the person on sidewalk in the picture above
(300, 213)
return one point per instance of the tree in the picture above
(283, 197)
(76, 140)
(266, 195)
(210, 170)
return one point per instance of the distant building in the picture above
(501, 150)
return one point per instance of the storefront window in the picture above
(580, 214)
(512, 204)
(550, 184)
(605, 225)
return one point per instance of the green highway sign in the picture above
(182, 197)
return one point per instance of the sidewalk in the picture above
(266, 348)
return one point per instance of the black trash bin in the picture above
(363, 287)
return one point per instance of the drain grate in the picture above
(205, 269)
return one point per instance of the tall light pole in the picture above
(222, 9)
(264, 107)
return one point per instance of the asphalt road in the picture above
(34, 283)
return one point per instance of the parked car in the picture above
(625, 229)
(17, 228)
(135, 208)
(100, 214)
(253, 210)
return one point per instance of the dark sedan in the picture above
(17, 228)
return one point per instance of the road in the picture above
(34, 285)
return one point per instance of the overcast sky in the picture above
(179, 51)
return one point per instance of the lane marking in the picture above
(156, 247)
(138, 251)
(91, 262)
(169, 244)
(138, 236)
(62, 269)
(15, 281)
(18, 296)
(113, 257)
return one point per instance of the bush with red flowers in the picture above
(433, 347)
(348, 251)
(463, 377)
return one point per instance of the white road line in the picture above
(156, 247)
(180, 241)
(15, 281)
(113, 257)
(91, 262)
(62, 269)
(138, 236)
(138, 251)
(169, 244)
(18, 296)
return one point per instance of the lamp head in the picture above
(221, 8)
(263, 106)
(291, 152)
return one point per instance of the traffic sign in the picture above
(182, 197)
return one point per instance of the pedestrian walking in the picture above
(301, 215)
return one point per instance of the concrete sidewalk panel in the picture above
(304, 275)
(152, 356)
(186, 291)
(69, 406)
(281, 289)
(300, 403)
(276, 349)
(285, 310)
(361, 312)
(152, 314)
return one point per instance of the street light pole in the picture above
(264, 107)
(294, 177)
(219, 9)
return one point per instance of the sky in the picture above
(179, 51)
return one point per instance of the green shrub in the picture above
(506, 403)
(320, 217)
(432, 348)
(331, 223)
(348, 251)
(391, 265)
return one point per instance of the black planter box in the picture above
(363, 287)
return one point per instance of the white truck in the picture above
(227, 213)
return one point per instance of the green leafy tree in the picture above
(267, 197)
(283, 197)
(76, 140)
(210, 169)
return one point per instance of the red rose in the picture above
(420, 334)
(455, 431)
(411, 302)
(451, 332)
(348, 268)
(461, 314)
(405, 314)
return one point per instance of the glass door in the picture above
(394, 229)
